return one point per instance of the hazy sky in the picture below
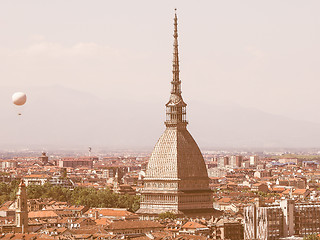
(256, 54)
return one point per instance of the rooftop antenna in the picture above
(90, 151)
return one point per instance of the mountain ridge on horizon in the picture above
(57, 115)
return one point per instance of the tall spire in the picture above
(176, 107)
(175, 68)
(22, 208)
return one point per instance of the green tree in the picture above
(90, 197)
(312, 237)
(167, 215)
(36, 191)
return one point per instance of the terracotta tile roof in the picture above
(193, 225)
(26, 236)
(103, 221)
(190, 237)
(63, 220)
(224, 200)
(299, 191)
(278, 189)
(44, 236)
(5, 206)
(287, 191)
(84, 220)
(8, 236)
(257, 184)
(58, 230)
(42, 214)
(134, 225)
(104, 236)
(157, 236)
(75, 208)
(89, 230)
(36, 176)
(110, 212)
(82, 236)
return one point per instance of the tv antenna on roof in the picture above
(90, 151)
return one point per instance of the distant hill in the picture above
(64, 117)
(235, 126)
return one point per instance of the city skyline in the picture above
(238, 155)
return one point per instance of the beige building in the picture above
(289, 160)
(236, 161)
(8, 164)
(223, 162)
(254, 160)
(35, 179)
(262, 173)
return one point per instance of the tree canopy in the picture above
(86, 196)
(312, 237)
(167, 215)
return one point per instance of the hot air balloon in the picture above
(19, 99)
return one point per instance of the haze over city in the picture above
(99, 74)
(224, 92)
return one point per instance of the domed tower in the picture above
(44, 158)
(176, 178)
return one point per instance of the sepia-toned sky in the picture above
(262, 55)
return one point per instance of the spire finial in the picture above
(175, 68)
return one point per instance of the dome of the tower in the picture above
(176, 155)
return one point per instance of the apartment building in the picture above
(283, 220)
(77, 162)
